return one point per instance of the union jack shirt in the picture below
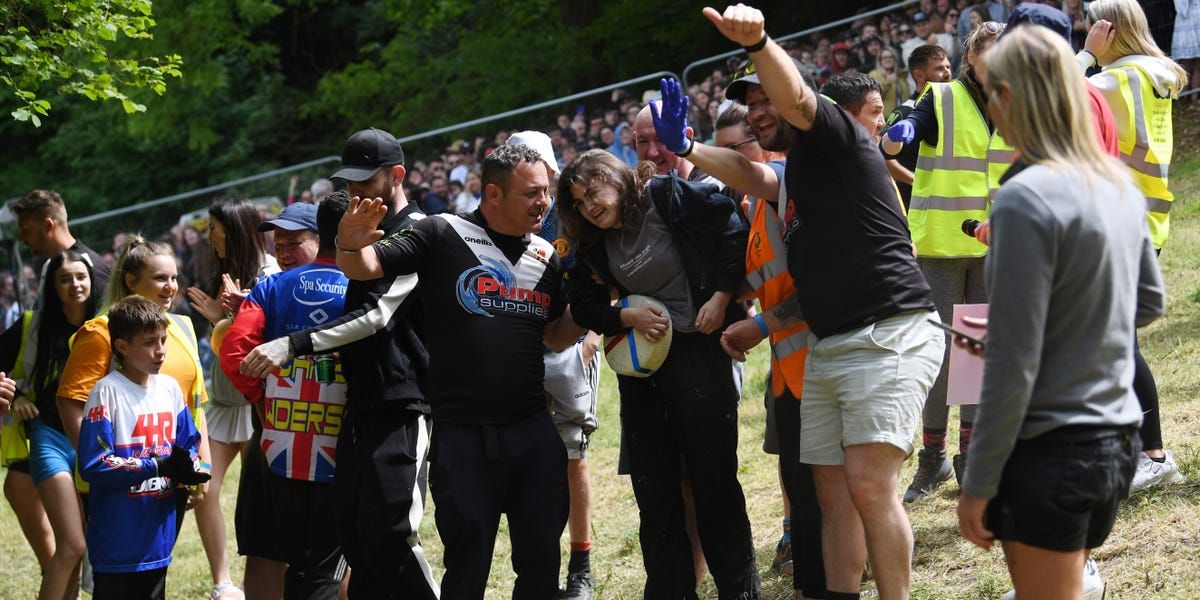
(301, 415)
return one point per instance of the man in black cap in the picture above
(384, 440)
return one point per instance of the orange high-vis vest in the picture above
(767, 274)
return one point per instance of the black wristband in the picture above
(758, 45)
(687, 151)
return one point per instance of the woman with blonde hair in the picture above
(893, 80)
(147, 269)
(1070, 271)
(1140, 84)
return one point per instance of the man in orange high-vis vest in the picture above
(759, 185)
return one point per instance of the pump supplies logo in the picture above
(492, 287)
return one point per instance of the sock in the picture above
(787, 532)
(580, 557)
(934, 439)
(830, 595)
(1158, 459)
(964, 436)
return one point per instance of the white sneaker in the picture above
(1093, 585)
(1150, 473)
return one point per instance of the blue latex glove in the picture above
(902, 131)
(671, 126)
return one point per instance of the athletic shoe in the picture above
(782, 563)
(1150, 473)
(960, 467)
(932, 470)
(226, 591)
(579, 586)
(1093, 586)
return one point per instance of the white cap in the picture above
(540, 143)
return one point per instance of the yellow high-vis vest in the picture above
(951, 182)
(1000, 158)
(1145, 140)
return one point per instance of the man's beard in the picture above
(782, 140)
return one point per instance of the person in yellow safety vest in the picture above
(1140, 84)
(749, 138)
(959, 165)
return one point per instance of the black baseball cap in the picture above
(747, 74)
(366, 152)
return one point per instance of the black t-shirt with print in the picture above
(487, 299)
(849, 248)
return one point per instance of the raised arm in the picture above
(359, 229)
(745, 26)
(728, 166)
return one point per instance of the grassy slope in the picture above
(1150, 554)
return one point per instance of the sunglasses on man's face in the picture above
(952, 15)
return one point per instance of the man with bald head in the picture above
(649, 147)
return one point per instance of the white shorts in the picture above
(868, 386)
(572, 390)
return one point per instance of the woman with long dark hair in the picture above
(240, 251)
(682, 244)
(69, 298)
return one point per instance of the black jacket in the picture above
(712, 243)
(383, 356)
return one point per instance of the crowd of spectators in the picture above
(449, 182)
(879, 46)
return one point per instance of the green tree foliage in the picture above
(79, 47)
(275, 82)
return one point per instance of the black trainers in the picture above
(579, 586)
(960, 467)
(932, 470)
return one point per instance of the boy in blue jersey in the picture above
(137, 445)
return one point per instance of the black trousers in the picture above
(808, 565)
(480, 472)
(142, 585)
(310, 545)
(379, 487)
(689, 408)
(1146, 391)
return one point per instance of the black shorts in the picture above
(140, 585)
(21, 466)
(253, 517)
(1060, 491)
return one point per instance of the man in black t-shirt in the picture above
(492, 294)
(928, 63)
(872, 355)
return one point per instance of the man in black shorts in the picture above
(384, 440)
(492, 294)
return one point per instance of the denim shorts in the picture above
(50, 452)
(1060, 491)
